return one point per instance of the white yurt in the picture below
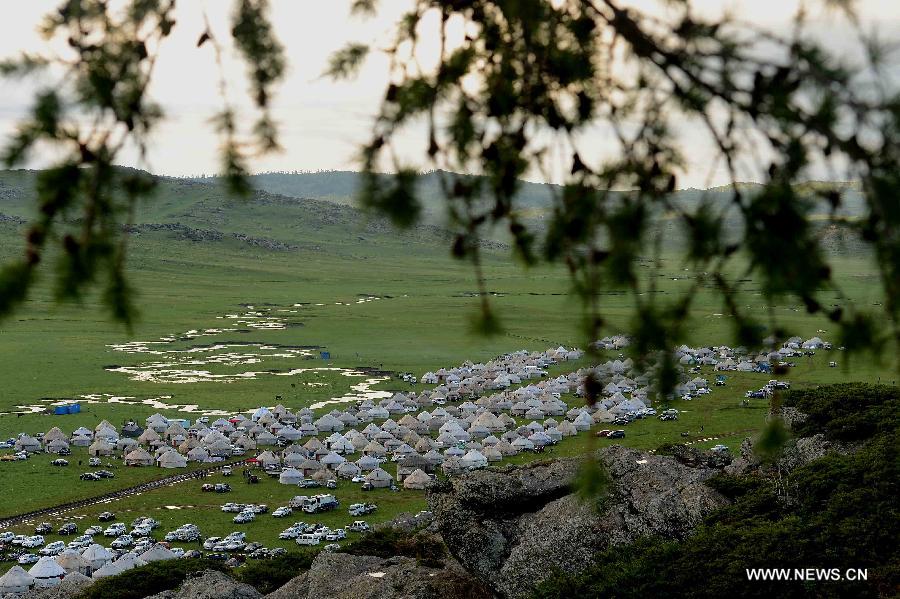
(290, 476)
(16, 580)
(72, 561)
(157, 553)
(97, 556)
(46, 572)
(172, 459)
(417, 480)
(379, 478)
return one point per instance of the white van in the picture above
(308, 540)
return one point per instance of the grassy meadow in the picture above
(318, 290)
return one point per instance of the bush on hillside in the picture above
(847, 412)
(839, 511)
(428, 549)
(269, 575)
(149, 580)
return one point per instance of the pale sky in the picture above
(323, 122)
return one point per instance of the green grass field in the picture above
(52, 352)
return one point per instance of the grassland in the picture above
(420, 322)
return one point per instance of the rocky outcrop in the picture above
(210, 584)
(696, 458)
(514, 526)
(345, 576)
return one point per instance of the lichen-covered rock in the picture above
(211, 584)
(345, 576)
(514, 526)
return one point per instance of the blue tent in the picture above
(325, 355)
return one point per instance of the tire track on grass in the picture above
(175, 479)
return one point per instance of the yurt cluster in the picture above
(475, 414)
(76, 568)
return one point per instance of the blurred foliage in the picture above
(98, 105)
(516, 90)
(519, 85)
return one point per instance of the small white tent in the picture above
(46, 572)
(16, 580)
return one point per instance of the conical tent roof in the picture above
(379, 478)
(53, 434)
(290, 476)
(267, 457)
(16, 580)
(72, 561)
(320, 475)
(348, 470)
(126, 562)
(139, 456)
(46, 568)
(97, 555)
(418, 479)
(198, 454)
(172, 459)
(157, 553)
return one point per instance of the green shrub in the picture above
(428, 549)
(847, 412)
(269, 575)
(149, 580)
(839, 511)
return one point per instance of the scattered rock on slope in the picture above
(210, 584)
(345, 576)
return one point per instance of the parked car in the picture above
(43, 528)
(122, 542)
(89, 476)
(114, 530)
(54, 548)
(60, 462)
(358, 526)
(28, 558)
(336, 535)
(619, 434)
(226, 471)
(282, 512)
(106, 517)
(244, 517)
(308, 539)
(93, 462)
(69, 528)
(32, 541)
(361, 509)
(222, 488)
(105, 474)
(141, 530)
